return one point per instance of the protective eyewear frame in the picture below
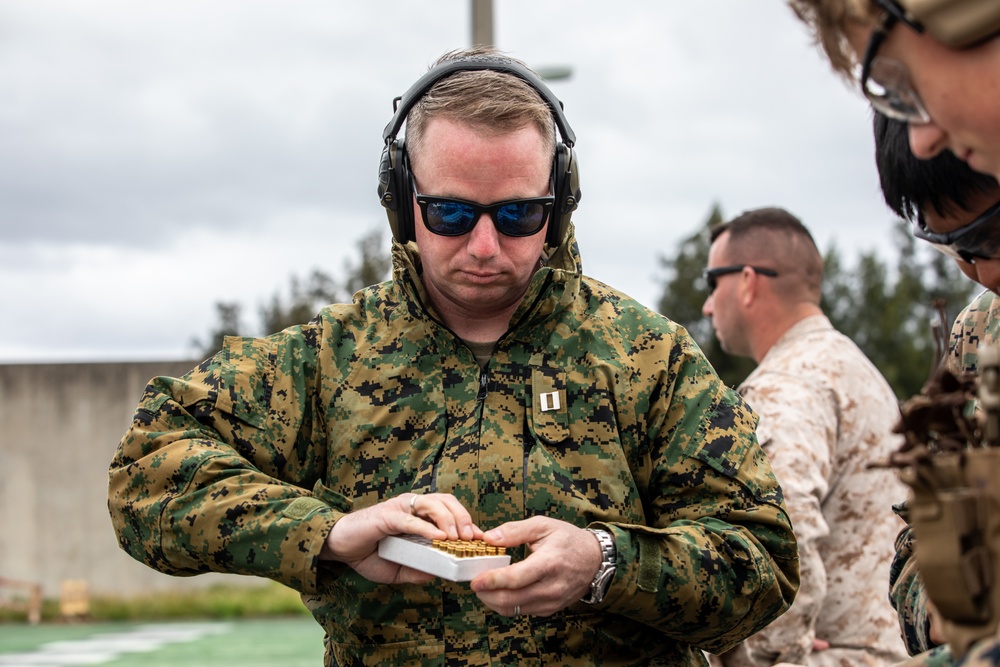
(712, 275)
(890, 91)
(969, 242)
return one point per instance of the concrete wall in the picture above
(59, 426)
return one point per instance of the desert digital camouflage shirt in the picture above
(244, 464)
(825, 414)
(977, 324)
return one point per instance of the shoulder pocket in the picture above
(728, 434)
(245, 378)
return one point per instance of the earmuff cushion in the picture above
(395, 192)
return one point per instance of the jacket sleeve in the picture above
(717, 559)
(216, 472)
(906, 591)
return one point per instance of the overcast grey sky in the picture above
(159, 156)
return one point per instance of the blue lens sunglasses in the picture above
(447, 216)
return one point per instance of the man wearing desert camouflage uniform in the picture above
(826, 414)
(488, 391)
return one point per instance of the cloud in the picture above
(158, 157)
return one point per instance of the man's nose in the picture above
(927, 140)
(484, 239)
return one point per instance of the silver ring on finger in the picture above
(413, 502)
(517, 611)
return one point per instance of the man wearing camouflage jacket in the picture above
(488, 391)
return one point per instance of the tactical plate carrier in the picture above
(951, 461)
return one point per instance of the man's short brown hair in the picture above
(775, 239)
(493, 103)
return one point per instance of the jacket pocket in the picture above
(389, 653)
(245, 379)
(548, 416)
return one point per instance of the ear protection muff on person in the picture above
(956, 23)
(394, 184)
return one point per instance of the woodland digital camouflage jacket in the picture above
(244, 464)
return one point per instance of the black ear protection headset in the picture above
(956, 23)
(394, 184)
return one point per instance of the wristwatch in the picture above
(606, 572)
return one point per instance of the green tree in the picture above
(885, 308)
(685, 292)
(889, 314)
(303, 302)
(228, 324)
(306, 297)
(373, 266)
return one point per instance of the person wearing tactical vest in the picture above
(489, 391)
(935, 65)
(939, 196)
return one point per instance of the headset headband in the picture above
(958, 24)
(403, 105)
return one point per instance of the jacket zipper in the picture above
(484, 378)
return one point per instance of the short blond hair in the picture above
(493, 103)
(829, 21)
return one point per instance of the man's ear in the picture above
(748, 286)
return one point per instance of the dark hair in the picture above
(774, 238)
(770, 218)
(910, 184)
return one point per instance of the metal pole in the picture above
(482, 22)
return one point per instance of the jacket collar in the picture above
(554, 286)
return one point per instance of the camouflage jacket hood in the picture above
(244, 464)
(555, 285)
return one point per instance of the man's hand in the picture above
(355, 537)
(936, 632)
(562, 562)
(818, 645)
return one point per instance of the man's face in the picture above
(482, 273)
(723, 306)
(959, 88)
(986, 272)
